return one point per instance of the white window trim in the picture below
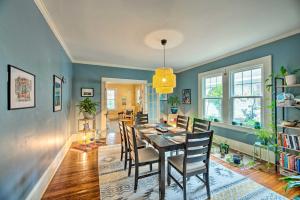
(266, 63)
(203, 91)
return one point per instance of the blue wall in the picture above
(30, 138)
(284, 52)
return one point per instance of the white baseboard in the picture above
(244, 148)
(41, 186)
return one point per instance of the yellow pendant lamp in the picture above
(164, 80)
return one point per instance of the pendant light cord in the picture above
(164, 56)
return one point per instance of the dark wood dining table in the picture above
(163, 143)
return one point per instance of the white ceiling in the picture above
(114, 32)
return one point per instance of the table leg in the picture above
(162, 175)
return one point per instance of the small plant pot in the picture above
(222, 154)
(87, 115)
(291, 79)
(174, 110)
(236, 159)
(257, 125)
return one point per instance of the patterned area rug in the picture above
(224, 183)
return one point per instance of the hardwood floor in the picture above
(77, 177)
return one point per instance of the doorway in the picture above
(120, 97)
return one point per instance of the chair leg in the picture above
(122, 152)
(129, 167)
(168, 176)
(184, 188)
(207, 184)
(150, 167)
(126, 159)
(136, 177)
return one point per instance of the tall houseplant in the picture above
(88, 108)
(174, 102)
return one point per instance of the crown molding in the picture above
(41, 6)
(257, 44)
(110, 65)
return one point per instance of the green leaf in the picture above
(292, 184)
(296, 197)
(283, 71)
(288, 178)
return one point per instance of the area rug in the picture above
(224, 183)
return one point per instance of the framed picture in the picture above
(163, 97)
(87, 92)
(57, 94)
(123, 101)
(21, 89)
(186, 96)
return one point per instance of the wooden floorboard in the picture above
(77, 177)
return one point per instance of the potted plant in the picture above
(264, 135)
(88, 108)
(292, 182)
(290, 78)
(224, 149)
(174, 101)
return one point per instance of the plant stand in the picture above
(87, 128)
(258, 146)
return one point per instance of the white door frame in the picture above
(105, 80)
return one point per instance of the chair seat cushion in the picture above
(148, 155)
(177, 162)
(140, 143)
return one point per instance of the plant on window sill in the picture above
(174, 102)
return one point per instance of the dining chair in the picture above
(140, 157)
(194, 161)
(200, 125)
(182, 122)
(141, 118)
(124, 144)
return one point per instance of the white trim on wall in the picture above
(111, 65)
(40, 187)
(266, 63)
(104, 80)
(255, 45)
(41, 6)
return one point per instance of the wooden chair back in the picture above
(182, 122)
(197, 148)
(132, 143)
(200, 125)
(122, 132)
(141, 118)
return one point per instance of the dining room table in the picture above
(164, 138)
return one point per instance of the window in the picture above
(110, 99)
(247, 97)
(235, 96)
(138, 96)
(212, 98)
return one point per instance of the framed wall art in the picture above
(186, 96)
(163, 97)
(87, 92)
(21, 89)
(57, 94)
